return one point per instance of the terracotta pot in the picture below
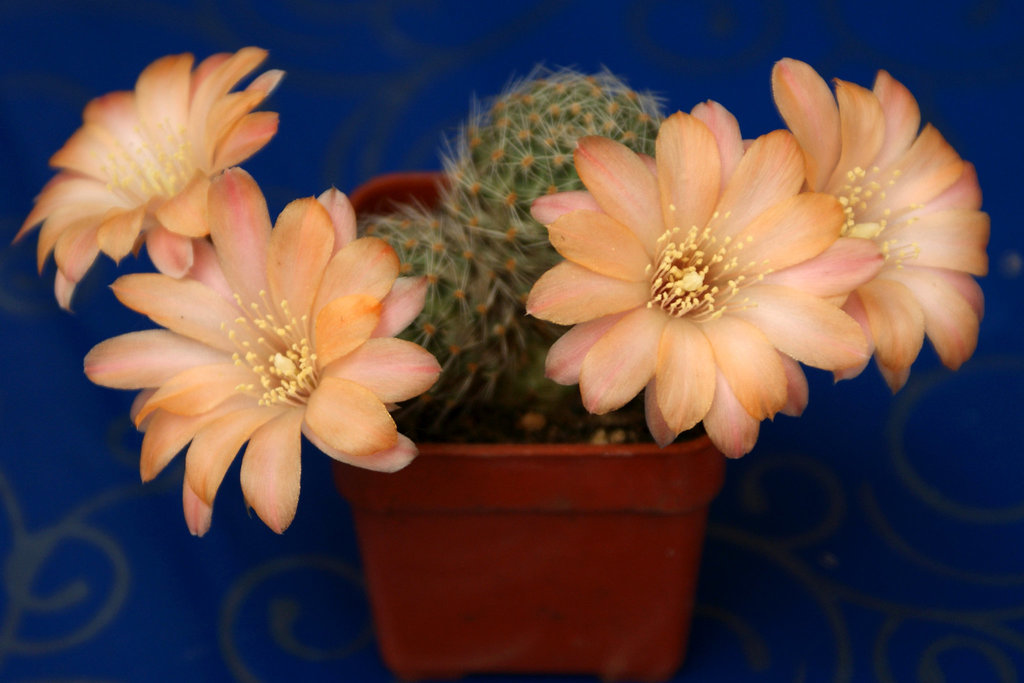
(515, 558)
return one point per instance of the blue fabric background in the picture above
(878, 537)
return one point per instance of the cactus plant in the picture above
(480, 249)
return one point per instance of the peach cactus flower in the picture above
(283, 332)
(140, 165)
(701, 277)
(907, 189)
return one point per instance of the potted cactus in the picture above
(510, 544)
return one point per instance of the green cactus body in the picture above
(479, 247)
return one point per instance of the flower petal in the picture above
(896, 321)
(622, 361)
(185, 213)
(805, 327)
(862, 129)
(569, 294)
(950, 322)
(797, 391)
(749, 363)
(301, 244)
(955, 239)
(349, 418)
(167, 434)
(806, 104)
(187, 307)
(792, 231)
(844, 266)
(393, 369)
(605, 246)
(343, 216)
(240, 229)
(117, 234)
(728, 425)
(771, 170)
(197, 389)
(367, 265)
(548, 208)
(621, 184)
(198, 515)
(171, 253)
(148, 358)
(271, 470)
(685, 383)
(401, 306)
(388, 460)
(565, 357)
(726, 129)
(902, 118)
(343, 325)
(689, 173)
(162, 93)
(216, 445)
(248, 136)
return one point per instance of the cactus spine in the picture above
(479, 247)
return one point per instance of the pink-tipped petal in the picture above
(729, 427)
(862, 129)
(240, 229)
(955, 239)
(206, 269)
(662, 434)
(271, 470)
(549, 208)
(187, 307)
(726, 129)
(805, 327)
(198, 515)
(950, 322)
(301, 244)
(367, 266)
(171, 253)
(854, 308)
(896, 321)
(605, 246)
(797, 391)
(565, 357)
(749, 363)
(622, 361)
(343, 216)
(393, 369)
(806, 104)
(902, 118)
(689, 173)
(197, 389)
(148, 358)
(685, 381)
(387, 460)
(770, 171)
(401, 306)
(247, 137)
(216, 445)
(844, 266)
(621, 185)
(569, 294)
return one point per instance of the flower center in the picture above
(151, 163)
(275, 346)
(691, 275)
(863, 197)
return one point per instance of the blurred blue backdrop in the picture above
(878, 537)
